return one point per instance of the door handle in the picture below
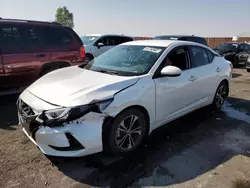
(218, 69)
(192, 78)
(40, 55)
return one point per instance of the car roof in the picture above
(4, 20)
(160, 43)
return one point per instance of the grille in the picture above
(25, 109)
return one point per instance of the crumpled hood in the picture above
(76, 86)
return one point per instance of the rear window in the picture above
(54, 36)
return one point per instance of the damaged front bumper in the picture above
(72, 139)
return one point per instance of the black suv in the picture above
(191, 38)
(235, 52)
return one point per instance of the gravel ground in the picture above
(199, 150)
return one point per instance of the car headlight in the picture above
(248, 59)
(61, 115)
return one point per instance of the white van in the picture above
(96, 44)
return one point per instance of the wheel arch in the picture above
(139, 107)
(109, 120)
(90, 54)
(227, 83)
(51, 64)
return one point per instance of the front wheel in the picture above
(127, 132)
(220, 96)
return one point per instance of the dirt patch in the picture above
(23, 165)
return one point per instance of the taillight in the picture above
(82, 52)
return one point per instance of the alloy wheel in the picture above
(220, 96)
(129, 133)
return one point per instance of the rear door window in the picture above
(210, 56)
(121, 40)
(199, 56)
(116, 40)
(19, 38)
(54, 36)
(112, 41)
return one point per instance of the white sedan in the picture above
(120, 97)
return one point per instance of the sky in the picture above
(208, 18)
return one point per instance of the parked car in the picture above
(248, 64)
(30, 49)
(135, 88)
(96, 44)
(191, 38)
(234, 52)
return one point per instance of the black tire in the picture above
(248, 70)
(88, 58)
(113, 135)
(220, 96)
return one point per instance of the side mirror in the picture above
(171, 71)
(100, 44)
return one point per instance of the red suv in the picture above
(30, 49)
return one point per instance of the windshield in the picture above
(126, 60)
(228, 47)
(88, 39)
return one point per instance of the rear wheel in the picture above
(220, 96)
(248, 70)
(126, 132)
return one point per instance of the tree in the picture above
(64, 17)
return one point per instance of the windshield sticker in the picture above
(154, 50)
